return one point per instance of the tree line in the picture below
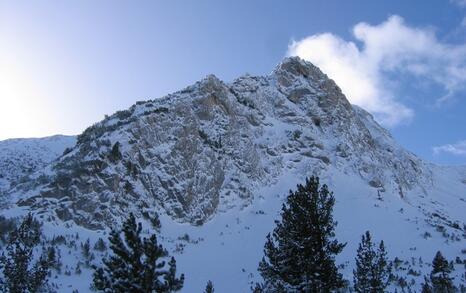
(299, 256)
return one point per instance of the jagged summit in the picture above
(293, 77)
(207, 148)
(299, 68)
(215, 161)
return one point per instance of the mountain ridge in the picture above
(216, 159)
(296, 97)
(22, 156)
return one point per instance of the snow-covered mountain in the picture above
(216, 160)
(23, 156)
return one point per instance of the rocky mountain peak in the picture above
(208, 147)
(220, 158)
(299, 67)
(300, 79)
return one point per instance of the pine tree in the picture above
(172, 284)
(300, 253)
(364, 262)
(136, 264)
(372, 270)
(440, 275)
(115, 154)
(382, 270)
(20, 274)
(258, 288)
(209, 288)
(53, 258)
(86, 252)
(155, 221)
(100, 245)
(426, 288)
(77, 269)
(86, 249)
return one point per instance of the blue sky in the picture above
(65, 64)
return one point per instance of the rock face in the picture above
(209, 146)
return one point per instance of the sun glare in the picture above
(20, 102)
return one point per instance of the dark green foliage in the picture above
(462, 287)
(211, 142)
(426, 288)
(95, 131)
(115, 154)
(132, 169)
(77, 269)
(62, 180)
(67, 151)
(153, 218)
(86, 249)
(161, 110)
(372, 273)
(297, 134)
(91, 133)
(402, 283)
(258, 288)
(136, 264)
(440, 275)
(57, 240)
(21, 275)
(100, 245)
(300, 253)
(6, 227)
(209, 288)
(171, 282)
(124, 114)
(54, 259)
(128, 187)
(155, 221)
(242, 100)
(364, 263)
(203, 135)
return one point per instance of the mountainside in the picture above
(210, 145)
(216, 159)
(23, 156)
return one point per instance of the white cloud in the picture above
(458, 148)
(460, 3)
(388, 48)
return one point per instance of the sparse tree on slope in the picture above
(21, 275)
(100, 245)
(257, 288)
(382, 270)
(440, 275)
(300, 253)
(115, 154)
(136, 264)
(209, 287)
(171, 282)
(372, 270)
(426, 288)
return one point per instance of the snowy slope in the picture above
(228, 248)
(216, 160)
(209, 146)
(20, 157)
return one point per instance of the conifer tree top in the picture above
(300, 253)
